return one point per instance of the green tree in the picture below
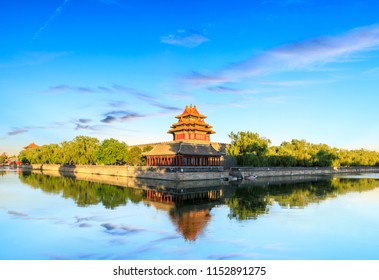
(50, 154)
(111, 151)
(81, 150)
(134, 156)
(31, 156)
(248, 148)
(325, 158)
(2, 158)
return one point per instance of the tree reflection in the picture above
(84, 193)
(249, 202)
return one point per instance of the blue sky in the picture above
(300, 69)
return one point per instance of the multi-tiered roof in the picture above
(191, 126)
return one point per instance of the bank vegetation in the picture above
(251, 149)
(247, 148)
(84, 150)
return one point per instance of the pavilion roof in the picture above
(183, 148)
(190, 111)
(31, 145)
(191, 120)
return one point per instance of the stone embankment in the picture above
(147, 172)
(193, 173)
(243, 172)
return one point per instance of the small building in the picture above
(191, 144)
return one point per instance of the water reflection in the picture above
(251, 201)
(189, 204)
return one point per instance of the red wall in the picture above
(191, 136)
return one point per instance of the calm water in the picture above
(47, 217)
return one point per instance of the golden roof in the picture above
(190, 111)
(183, 148)
(191, 120)
(31, 145)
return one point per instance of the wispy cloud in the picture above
(305, 55)
(81, 89)
(184, 38)
(25, 129)
(80, 126)
(288, 83)
(133, 91)
(32, 58)
(17, 131)
(120, 116)
(84, 124)
(117, 104)
(199, 79)
(51, 18)
(114, 89)
(84, 120)
(229, 90)
(151, 100)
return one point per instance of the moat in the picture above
(309, 217)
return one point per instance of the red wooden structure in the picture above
(191, 126)
(191, 145)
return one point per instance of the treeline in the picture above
(250, 149)
(84, 150)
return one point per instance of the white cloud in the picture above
(183, 38)
(304, 55)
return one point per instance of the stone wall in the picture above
(194, 173)
(148, 172)
(298, 171)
